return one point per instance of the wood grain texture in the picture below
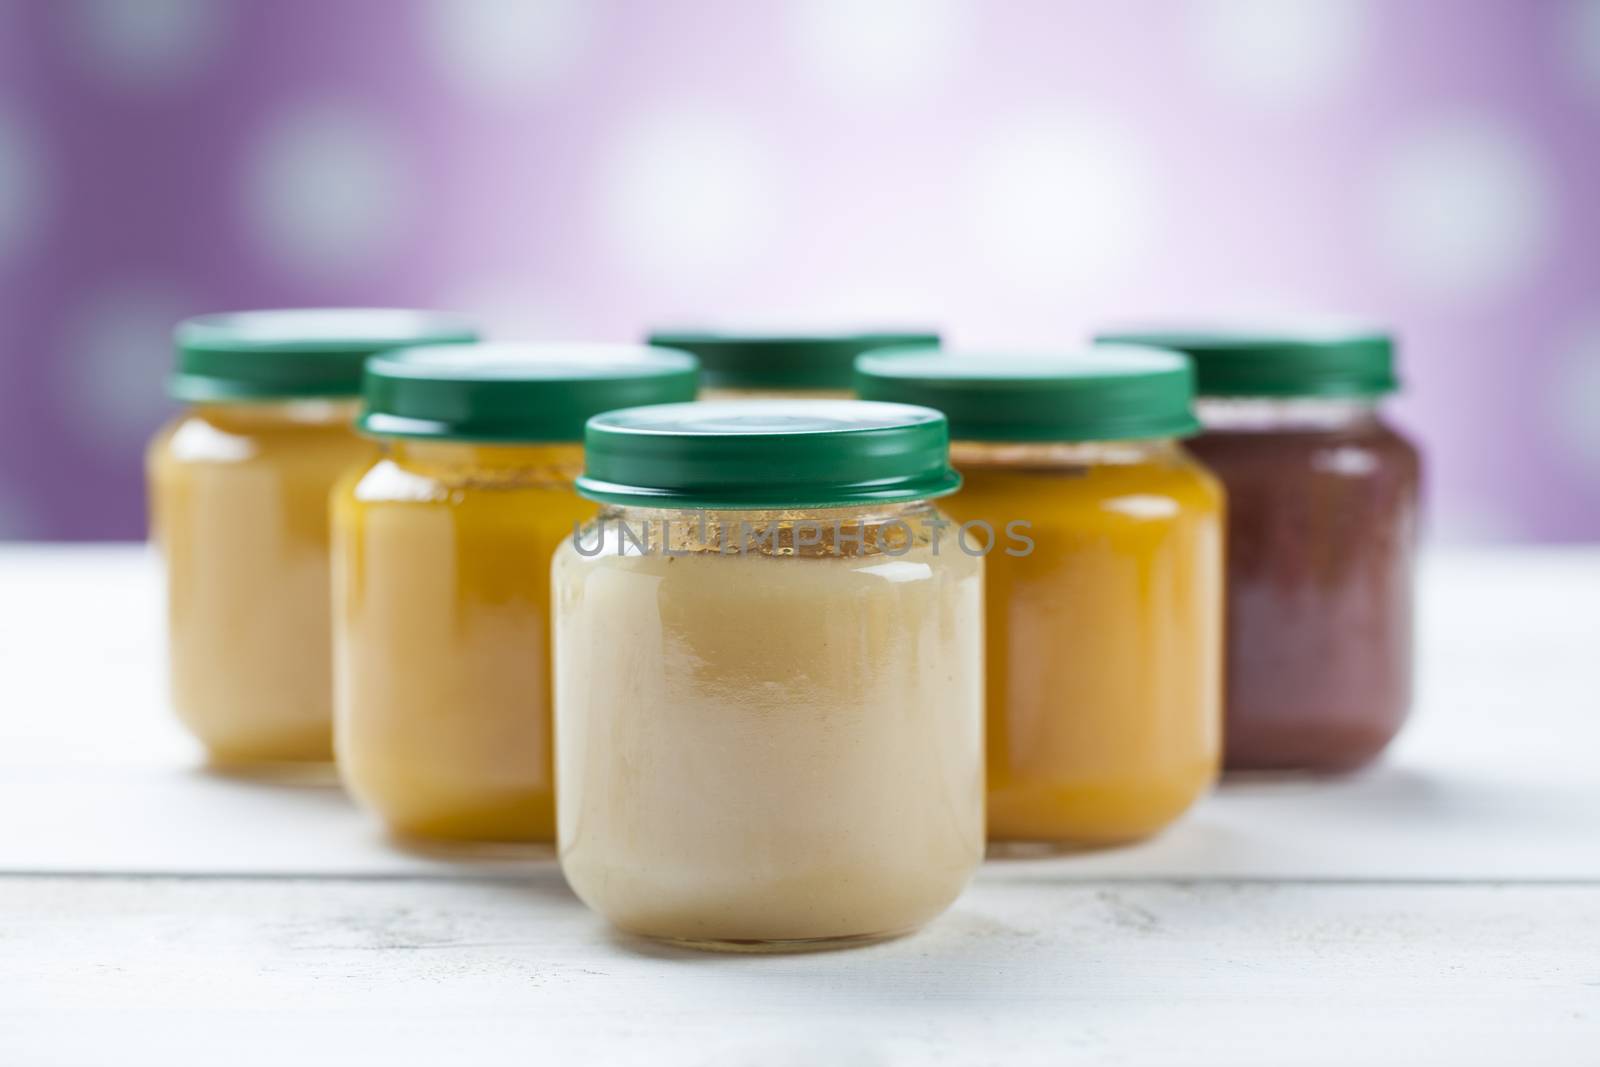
(1497, 777)
(1444, 907)
(1021, 972)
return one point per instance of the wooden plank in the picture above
(1495, 779)
(1021, 972)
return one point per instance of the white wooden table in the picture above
(1443, 907)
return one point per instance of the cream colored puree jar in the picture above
(769, 676)
(442, 575)
(239, 510)
(751, 366)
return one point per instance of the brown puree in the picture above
(1322, 523)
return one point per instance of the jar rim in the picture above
(515, 393)
(296, 353)
(735, 454)
(1305, 362)
(1103, 393)
(782, 360)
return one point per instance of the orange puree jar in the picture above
(1104, 587)
(239, 510)
(442, 575)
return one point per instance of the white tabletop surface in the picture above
(1442, 907)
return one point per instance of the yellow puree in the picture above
(1104, 712)
(239, 509)
(442, 602)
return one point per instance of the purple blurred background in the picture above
(1013, 171)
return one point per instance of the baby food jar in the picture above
(1104, 586)
(752, 365)
(1322, 530)
(769, 707)
(239, 510)
(442, 575)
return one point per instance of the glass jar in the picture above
(1322, 531)
(239, 511)
(442, 576)
(747, 366)
(1104, 598)
(768, 676)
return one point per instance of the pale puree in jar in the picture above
(239, 490)
(1105, 591)
(442, 576)
(769, 676)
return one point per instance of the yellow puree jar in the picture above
(239, 510)
(743, 366)
(1104, 585)
(769, 676)
(442, 575)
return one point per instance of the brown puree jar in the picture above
(1322, 530)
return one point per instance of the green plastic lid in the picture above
(767, 454)
(1103, 394)
(514, 392)
(1327, 362)
(783, 361)
(312, 352)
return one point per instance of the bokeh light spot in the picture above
(510, 309)
(1281, 53)
(117, 354)
(503, 49)
(1580, 41)
(881, 49)
(17, 519)
(687, 193)
(1574, 394)
(148, 42)
(1477, 519)
(885, 305)
(20, 186)
(1463, 209)
(1064, 198)
(327, 191)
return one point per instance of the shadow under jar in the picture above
(749, 366)
(1104, 590)
(1322, 529)
(769, 709)
(442, 576)
(239, 490)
